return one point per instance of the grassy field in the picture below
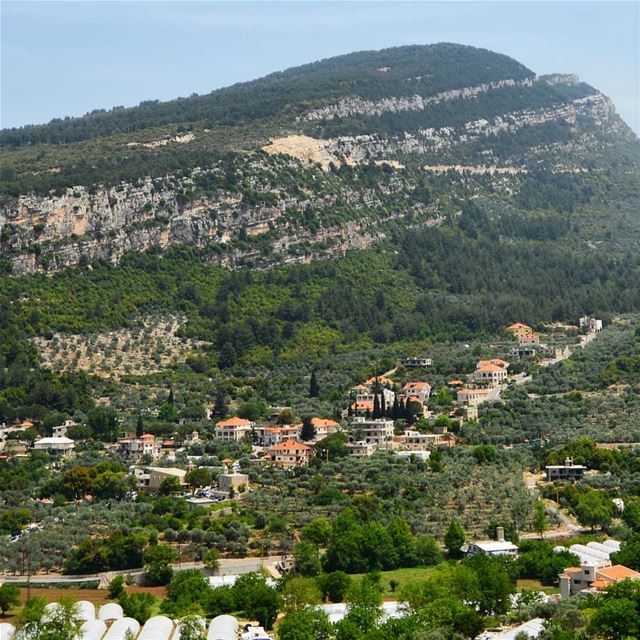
(402, 577)
(535, 584)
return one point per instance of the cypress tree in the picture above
(314, 387)
(395, 410)
(376, 406)
(383, 405)
(220, 406)
(139, 426)
(170, 399)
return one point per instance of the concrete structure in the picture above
(529, 341)
(134, 447)
(324, 427)
(568, 471)
(592, 578)
(491, 374)
(416, 362)
(360, 449)
(157, 475)
(375, 431)
(499, 547)
(591, 325)
(290, 454)
(418, 389)
(473, 397)
(413, 440)
(518, 330)
(270, 436)
(233, 429)
(60, 431)
(532, 628)
(228, 481)
(55, 446)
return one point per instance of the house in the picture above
(418, 389)
(492, 374)
(416, 362)
(517, 330)
(529, 340)
(593, 578)
(360, 449)
(233, 429)
(495, 361)
(591, 325)
(290, 454)
(375, 431)
(472, 397)
(235, 481)
(57, 446)
(415, 441)
(133, 447)
(60, 431)
(365, 393)
(324, 427)
(269, 436)
(157, 475)
(522, 352)
(499, 547)
(565, 472)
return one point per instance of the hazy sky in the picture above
(67, 58)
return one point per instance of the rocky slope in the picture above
(349, 144)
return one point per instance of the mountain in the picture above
(313, 160)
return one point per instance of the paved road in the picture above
(228, 566)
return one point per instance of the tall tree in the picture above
(376, 406)
(314, 387)
(454, 539)
(139, 426)
(395, 410)
(220, 405)
(308, 431)
(170, 398)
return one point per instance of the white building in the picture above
(418, 389)
(499, 547)
(360, 449)
(55, 445)
(416, 362)
(491, 374)
(234, 429)
(375, 431)
(415, 441)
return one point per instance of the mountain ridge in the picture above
(314, 164)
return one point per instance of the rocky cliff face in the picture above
(82, 225)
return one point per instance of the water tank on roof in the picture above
(156, 628)
(92, 630)
(6, 631)
(223, 628)
(119, 629)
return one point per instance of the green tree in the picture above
(334, 585)
(169, 486)
(192, 627)
(307, 559)
(198, 477)
(594, 509)
(540, 521)
(104, 423)
(9, 597)
(454, 539)
(299, 592)
(318, 531)
(305, 625)
(116, 588)
(157, 563)
(428, 552)
(257, 598)
(616, 619)
(139, 426)
(314, 387)
(139, 606)
(308, 431)
(220, 405)
(211, 559)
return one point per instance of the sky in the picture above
(67, 58)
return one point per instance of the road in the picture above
(228, 566)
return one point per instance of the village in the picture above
(392, 413)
